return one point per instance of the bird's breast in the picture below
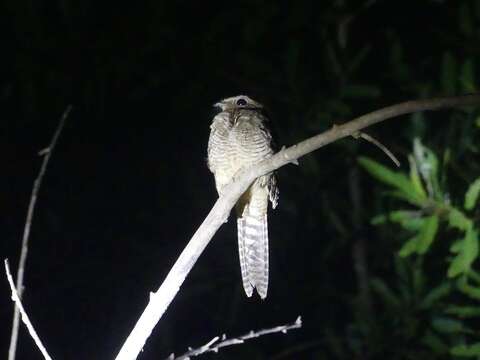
(236, 144)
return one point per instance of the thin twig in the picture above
(382, 147)
(47, 153)
(25, 318)
(213, 345)
(160, 300)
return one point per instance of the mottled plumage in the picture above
(239, 137)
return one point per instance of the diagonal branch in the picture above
(46, 153)
(160, 300)
(25, 317)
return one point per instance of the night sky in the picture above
(128, 184)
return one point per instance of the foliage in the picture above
(432, 206)
(427, 307)
(431, 215)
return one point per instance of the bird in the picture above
(240, 137)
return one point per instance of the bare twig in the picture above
(382, 147)
(26, 231)
(213, 345)
(25, 318)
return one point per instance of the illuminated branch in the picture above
(25, 318)
(214, 345)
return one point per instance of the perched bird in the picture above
(239, 137)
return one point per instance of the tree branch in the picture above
(378, 144)
(25, 318)
(213, 345)
(46, 153)
(160, 300)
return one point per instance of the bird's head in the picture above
(238, 102)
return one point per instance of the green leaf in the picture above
(469, 290)
(418, 281)
(474, 275)
(463, 311)
(427, 233)
(438, 293)
(456, 246)
(413, 224)
(448, 325)
(458, 220)
(435, 343)
(472, 194)
(410, 198)
(415, 179)
(409, 220)
(466, 350)
(409, 247)
(422, 241)
(427, 164)
(387, 176)
(468, 253)
(449, 74)
(378, 220)
(385, 292)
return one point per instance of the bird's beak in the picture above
(218, 105)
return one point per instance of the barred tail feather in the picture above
(247, 286)
(253, 251)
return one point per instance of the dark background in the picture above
(128, 184)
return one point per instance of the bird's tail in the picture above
(253, 251)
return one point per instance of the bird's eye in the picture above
(241, 102)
